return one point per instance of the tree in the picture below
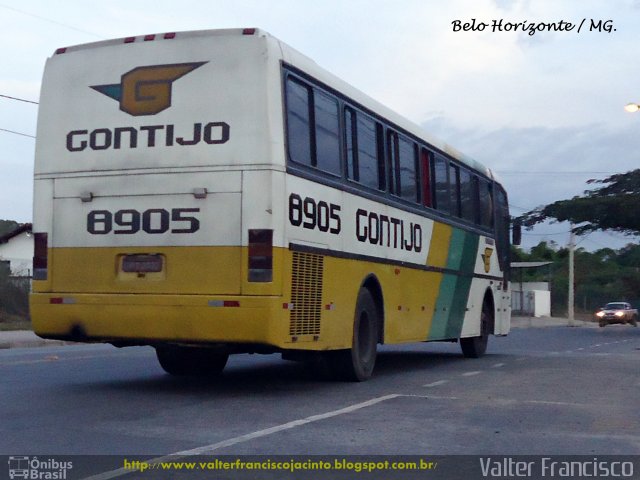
(7, 226)
(613, 206)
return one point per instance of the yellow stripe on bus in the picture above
(439, 247)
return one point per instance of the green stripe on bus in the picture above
(454, 289)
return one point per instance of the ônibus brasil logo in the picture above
(146, 90)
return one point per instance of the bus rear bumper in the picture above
(159, 319)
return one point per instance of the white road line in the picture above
(431, 397)
(497, 365)
(471, 374)
(547, 402)
(435, 384)
(207, 449)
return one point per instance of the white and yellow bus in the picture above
(217, 192)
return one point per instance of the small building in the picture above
(529, 298)
(16, 251)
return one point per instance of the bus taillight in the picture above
(260, 255)
(40, 254)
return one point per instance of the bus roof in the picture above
(309, 66)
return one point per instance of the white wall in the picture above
(19, 252)
(534, 296)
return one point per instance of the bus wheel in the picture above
(474, 347)
(356, 364)
(191, 360)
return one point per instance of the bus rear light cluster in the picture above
(62, 300)
(224, 303)
(260, 255)
(151, 37)
(40, 256)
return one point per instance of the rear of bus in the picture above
(159, 191)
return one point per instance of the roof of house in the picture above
(25, 227)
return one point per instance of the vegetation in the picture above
(612, 206)
(602, 276)
(14, 302)
(14, 293)
(7, 226)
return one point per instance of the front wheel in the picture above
(199, 361)
(475, 347)
(356, 364)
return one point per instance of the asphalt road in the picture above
(554, 390)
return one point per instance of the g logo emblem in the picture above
(146, 90)
(486, 258)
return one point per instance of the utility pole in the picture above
(570, 300)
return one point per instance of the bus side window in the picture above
(392, 162)
(362, 149)
(468, 201)
(368, 152)
(408, 178)
(502, 230)
(327, 132)
(425, 168)
(486, 203)
(382, 176)
(454, 189)
(299, 122)
(350, 141)
(441, 177)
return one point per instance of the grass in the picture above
(13, 322)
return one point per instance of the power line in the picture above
(50, 21)
(17, 133)
(18, 99)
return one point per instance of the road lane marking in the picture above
(471, 374)
(435, 384)
(208, 449)
(497, 365)
(549, 402)
(430, 397)
(51, 359)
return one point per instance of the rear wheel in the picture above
(475, 347)
(182, 361)
(357, 363)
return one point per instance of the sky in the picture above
(544, 111)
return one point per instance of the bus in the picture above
(217, 192)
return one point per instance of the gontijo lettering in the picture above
(384, 230)
(212, 133)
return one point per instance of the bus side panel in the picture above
(454, 291)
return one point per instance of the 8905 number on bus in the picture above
(153, 221)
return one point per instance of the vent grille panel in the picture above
(306, 294)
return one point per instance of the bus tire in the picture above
(357, 363)
(475, 347)
(181, 361)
